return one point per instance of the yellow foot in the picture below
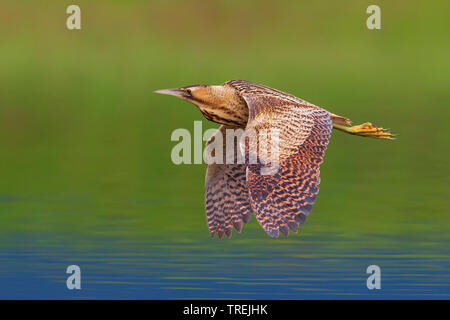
(366, 130)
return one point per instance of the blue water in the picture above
(160, 269)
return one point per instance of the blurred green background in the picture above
(85, 162)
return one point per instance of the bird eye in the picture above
(189, 92)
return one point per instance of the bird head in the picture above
(218, 103)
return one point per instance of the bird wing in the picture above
(226, 196)
(282, 200)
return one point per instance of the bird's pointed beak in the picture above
(173, 92)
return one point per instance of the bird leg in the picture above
(365, 130)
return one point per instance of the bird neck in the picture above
(229, 109)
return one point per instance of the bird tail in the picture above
(340, 120)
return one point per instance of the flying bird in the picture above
(282, 200)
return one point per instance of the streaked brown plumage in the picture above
(280, 201)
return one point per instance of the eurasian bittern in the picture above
(280, 201)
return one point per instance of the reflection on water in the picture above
(169, 270)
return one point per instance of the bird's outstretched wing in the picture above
(226, 195)
(282, 200)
